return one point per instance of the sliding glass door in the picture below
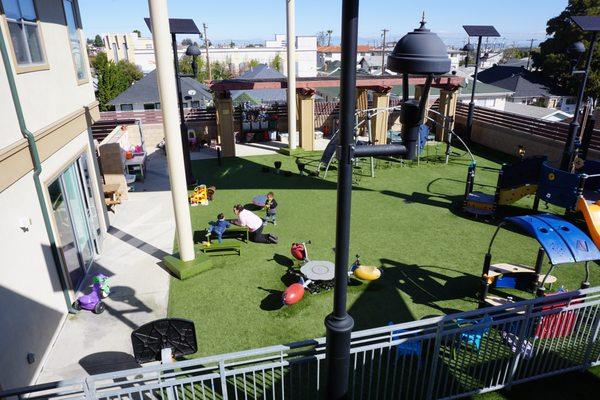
(76, 220)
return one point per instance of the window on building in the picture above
(125, 52)
(74, 39)
(195, 104)
(115, 52)
(149, 106)
(184, 104)
(24, 31)
(126, 107)
(157, 106)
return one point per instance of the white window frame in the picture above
(82, 47)
(30, 66)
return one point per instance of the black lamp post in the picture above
(193, 51)
(420, 52)
(478, 31)
(468, 48)
(586, 24)
(181, 26)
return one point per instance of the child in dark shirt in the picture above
(271, 209)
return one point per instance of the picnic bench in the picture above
(229, 246)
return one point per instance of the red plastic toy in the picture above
(293, 294)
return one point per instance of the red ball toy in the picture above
(293, 294)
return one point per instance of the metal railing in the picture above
(442, 357)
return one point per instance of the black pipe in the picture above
(565, 162)
(380, 150)
(539, 261)
(404, 87)
(587, 136)
(339, 324)
(469, 126)
(187, 161)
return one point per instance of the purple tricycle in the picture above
(93, 301)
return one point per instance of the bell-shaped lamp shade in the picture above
(420, 52)
(577, 49)
(468, 48)
(193, 50)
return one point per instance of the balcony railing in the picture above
(442, 357)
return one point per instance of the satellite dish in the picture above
(191, 92)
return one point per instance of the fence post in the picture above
(223, 379)
(514, 364)
(434, 362)
(595, 329)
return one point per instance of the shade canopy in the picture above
(419, 52)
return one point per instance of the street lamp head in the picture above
(577, 49)
(468, 48)
(193, 50)
(419, 52)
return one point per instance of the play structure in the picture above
(93, 301)
(317, 275)
(202, 195)
(561, 241)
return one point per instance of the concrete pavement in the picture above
(142, 232)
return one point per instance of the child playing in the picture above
(271, 209)
(217, 227)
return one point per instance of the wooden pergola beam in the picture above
(374, 83)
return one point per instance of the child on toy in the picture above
(217, 227)
(271, 209)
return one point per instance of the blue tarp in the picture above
(562, 241)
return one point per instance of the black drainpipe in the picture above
(37, 170)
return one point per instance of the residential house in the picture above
(53, 215)
(327, 54)
(545, 113)
(260, 96)
(486, 95)
(119, 46)
(143, 95)
(528, 87)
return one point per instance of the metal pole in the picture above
(574, 126)
(469, 126)
(189, 177)
(291, 72)
(385, 31)
(166, 83)
(207, 56)
(339, 324)
(529, 57)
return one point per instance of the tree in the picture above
(130, 70)
(99, 62)
(514, 52)
(553, 58)
(98, 42)
(253, 63)
(321, 38)
(220, 71)
(137, 32)
(186, 42)
(185, 67)
(329, 32)
(232, 44)
(276, 62)
(111, 82)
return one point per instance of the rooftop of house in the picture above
(146, 91)
(522, 82)
(536, 112)
(361, 48)
(261, 71)
(483, 88)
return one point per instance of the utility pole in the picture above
(530, 49)
(207, 56)
(385, 31)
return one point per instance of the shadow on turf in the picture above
(381, 302)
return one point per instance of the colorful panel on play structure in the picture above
(558, 187)
(520, 173)
(562, 241)
(510, 196)
(423, 136)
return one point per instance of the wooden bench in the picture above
(235, 247)
(238, 229)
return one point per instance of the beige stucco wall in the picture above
(124, 44)
(46, 95)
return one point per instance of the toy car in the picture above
(93, 301)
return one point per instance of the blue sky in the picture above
(256, 20)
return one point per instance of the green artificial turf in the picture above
(407, 220)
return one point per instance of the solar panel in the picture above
(588, 23)
(178, 25)
(481, 30)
